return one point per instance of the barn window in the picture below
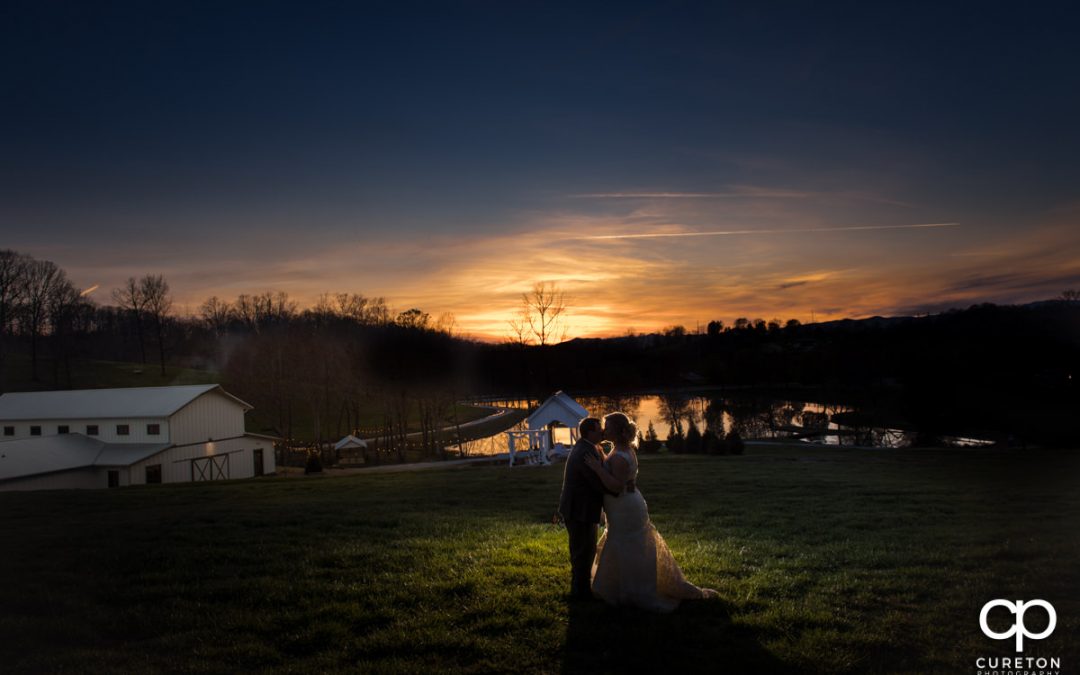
(153, 429)
(9, 431)
(62, 429)
(153, 474)
(91, 430)
(35, 431)
(122, 430)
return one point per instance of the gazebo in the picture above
(350, 450)
(549, 431)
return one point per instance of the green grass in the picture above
(826, 561)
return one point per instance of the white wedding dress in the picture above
(633, 565)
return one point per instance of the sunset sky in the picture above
(665, 163)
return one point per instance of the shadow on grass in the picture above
(698, 636)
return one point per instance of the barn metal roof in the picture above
(104, 403)
(47, 454)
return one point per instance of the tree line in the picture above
(352, 364)
(347, 364)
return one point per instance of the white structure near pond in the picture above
(550, 431)
(350, 442)
(96, 438)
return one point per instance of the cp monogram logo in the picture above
(1019, 629)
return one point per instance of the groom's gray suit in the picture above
(580, 504)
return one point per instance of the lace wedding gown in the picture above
(633, 565)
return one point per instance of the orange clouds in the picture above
(780, 256)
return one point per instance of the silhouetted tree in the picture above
(693, 439)
(518, 329)
(12, 289)
(544, 308)
(673, 408)
(157, 303)
(216, 313)
(129, 298)
(446, 324)
(41, 281)
(675, 441)
(649, 442)
(413, 318)
(63, 306)
(650, 433)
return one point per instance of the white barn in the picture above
(96, 438)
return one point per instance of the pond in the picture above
(752, 417)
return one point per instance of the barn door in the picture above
(214, 467)
(219, 467)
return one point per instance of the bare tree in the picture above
(157, 303)
(1070, 295)
(446, 323)
(64, 304)
(216, 313)
(40, 282)
(130, 297)
(275, 308)
(544, 308)
(259, 311)
(352, 306)
(324, 307)
(246, 310)
(12, 287)
(519, 328)
(377, 312)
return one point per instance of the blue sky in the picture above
(449, 155)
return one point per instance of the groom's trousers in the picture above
(582, 552)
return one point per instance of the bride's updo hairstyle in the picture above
(626, 432)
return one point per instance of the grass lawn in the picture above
(826, 560)
(262, 421)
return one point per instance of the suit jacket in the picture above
(582, 495)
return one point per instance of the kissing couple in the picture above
(631, 565)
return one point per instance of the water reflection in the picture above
(752, 417)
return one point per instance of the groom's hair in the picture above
(587, 425)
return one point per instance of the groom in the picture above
(580, 503)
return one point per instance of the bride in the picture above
(633, 565)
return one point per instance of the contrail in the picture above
(754, 193)
(89, 290)
(720, 233)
